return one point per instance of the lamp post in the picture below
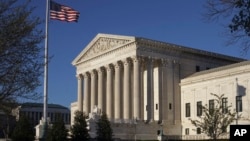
(236, 111)
(160, 136)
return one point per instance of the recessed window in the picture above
(156, 106)
(198, 130)
(170, 106)
(197, 68)
(224, 105)
(187, 109)
(199, 108)
(211, 105)
(238, 103)
(187, 131)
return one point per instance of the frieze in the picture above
(124, 52)
(102, 45)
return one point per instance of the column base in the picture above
(117, 120)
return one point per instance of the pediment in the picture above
(101, 44)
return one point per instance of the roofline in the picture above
(186, 49)
(151, 42)
(33, 104)
(195, 77)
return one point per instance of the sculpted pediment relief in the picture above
(102, 44)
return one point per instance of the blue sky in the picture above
(174, 21)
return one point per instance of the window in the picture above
(156, 106)
(40, 115)
(224, 105)
(187, 131)
(170, 106)
(52, 117)
(158, 132)
(197, 68)
(199, 108)
(187, 109)
(238, 103)
(198, 130)
(211, 105)
(32, 115)
(36, 117)
(66, 118)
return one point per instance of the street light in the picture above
(160, 136)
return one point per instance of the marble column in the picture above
(177, 95)
(109, 92)
(93, 90)
(150, 90)
(100, 89)
(127, 91)
(170, 90)
(162, 89)
(79, 93)
(164, 106)
(86, 94)
(137, 88)
(117, 92)
(143, 92)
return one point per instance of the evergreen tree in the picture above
(57, 132)
(214, 121)
(23, 130)
(103, 129)
(79, 131)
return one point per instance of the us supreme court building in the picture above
(137, 83)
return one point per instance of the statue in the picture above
(96, 112)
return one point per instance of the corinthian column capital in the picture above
(93, 72)
(136, 59)
(100, 70)
(86, 75)
(118, 65)
(79, 76)
(164, 62)
(109, 67)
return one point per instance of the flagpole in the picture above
(44, 125)
(45, 105)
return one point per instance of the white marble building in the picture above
(136, 80)
(232, 80)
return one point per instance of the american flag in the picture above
(63, 13)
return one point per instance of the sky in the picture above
(174, 21)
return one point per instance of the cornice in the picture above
(168, 48)
(217, 73)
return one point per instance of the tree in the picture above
(103, 129)
(238, 14)
(21, 60)
(212, 122)
(58, 131)
(7, 120)
(23, 130)
(79, 131)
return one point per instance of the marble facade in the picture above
(231, 80)
(137, 79)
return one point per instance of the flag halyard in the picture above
(63, 13)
